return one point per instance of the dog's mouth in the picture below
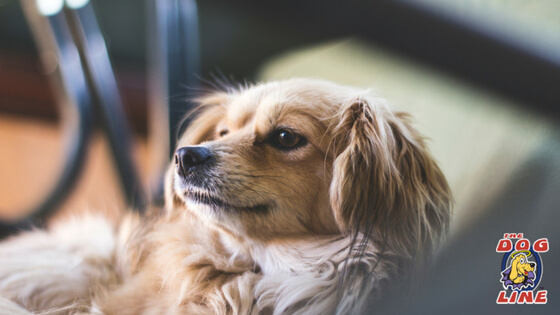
(204, 197)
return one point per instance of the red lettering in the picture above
(525, 297)
(541, 245)
(504, 246)
(513, 297)
(513, 235)
(541, 297)
(522, 244)
(502, 299)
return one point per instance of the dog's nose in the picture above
(532, 265)
(188, 157)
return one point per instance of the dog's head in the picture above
(523, 265)
(304, 157)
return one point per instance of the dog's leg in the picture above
(59, 269)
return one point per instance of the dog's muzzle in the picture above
(189, 158)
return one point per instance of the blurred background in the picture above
(481, 78)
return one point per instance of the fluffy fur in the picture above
(325, 225)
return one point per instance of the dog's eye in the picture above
(223, 132)
(286, 140)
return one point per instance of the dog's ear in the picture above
(202, 127)
(385, 183)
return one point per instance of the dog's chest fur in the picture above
(187, 267)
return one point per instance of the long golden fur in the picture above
(309, 197)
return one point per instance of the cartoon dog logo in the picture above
(521, 272)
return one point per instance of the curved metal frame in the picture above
(103, 86)
(174, 59)
(52, 34)
(83, 78)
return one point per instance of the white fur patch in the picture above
(57, 269)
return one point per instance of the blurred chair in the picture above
(85, 84)
(174, 58)
(53, 36)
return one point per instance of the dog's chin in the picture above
(201, 199)
(217, 211)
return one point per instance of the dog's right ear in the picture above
(202, 127)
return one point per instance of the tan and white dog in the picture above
(296, 197)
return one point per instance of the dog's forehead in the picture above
(277, 102)
(242, 108)
(261, 98)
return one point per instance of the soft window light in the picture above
(76, 4)
(49, 7)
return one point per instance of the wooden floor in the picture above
(31, 157)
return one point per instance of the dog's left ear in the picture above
(385, 183)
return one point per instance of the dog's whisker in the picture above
(263, 188)
(268, 177)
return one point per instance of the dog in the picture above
(520, 268)
(291, 197)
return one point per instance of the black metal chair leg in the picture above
(52, 35)
(103, 87)
(174, 60)
(85, 78)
